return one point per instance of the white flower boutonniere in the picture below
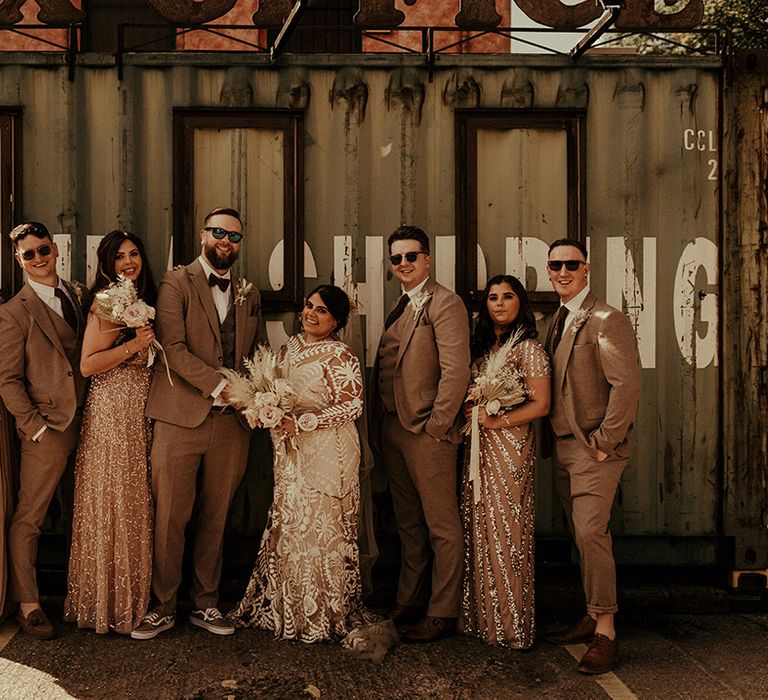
(244, 288)
(419, 301)
(579, 319)
(77, 290)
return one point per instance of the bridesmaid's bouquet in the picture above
(119, 303)
(263, 394)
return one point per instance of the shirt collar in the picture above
(575, 303)
(413, 292)
(43, 290)
(210, 271)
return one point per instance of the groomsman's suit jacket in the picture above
(596, 379)
(192, 342)
(432, 368)
(40, 380)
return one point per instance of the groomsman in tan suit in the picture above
(420, 379)
(595, 390)
(206, 319)
(41, 330)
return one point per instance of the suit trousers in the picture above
(200, 466)
(587, 489)
(42, 466)
(422, 478)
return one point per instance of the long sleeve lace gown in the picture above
(306, 584)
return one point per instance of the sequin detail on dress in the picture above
(306, 581)
(498, 595)
(110, 564)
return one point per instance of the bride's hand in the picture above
(468, 406)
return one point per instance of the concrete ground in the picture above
(663, 654)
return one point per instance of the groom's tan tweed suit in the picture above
(198, 453)
(419, 382)
(41, 385)
(595, 390)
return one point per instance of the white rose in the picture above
(136, 315)
(270, 416)
(493, 407)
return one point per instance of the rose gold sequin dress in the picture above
(306, 581)
(110, 563)
(497, 601)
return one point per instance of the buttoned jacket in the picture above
(187, 325)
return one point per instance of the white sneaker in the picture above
(212, 620)
(153, 624)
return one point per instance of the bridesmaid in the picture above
(110, 563)
(497, 602)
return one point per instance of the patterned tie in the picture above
(67, 309)
(216, 281)
(559, 327)
(397, 312)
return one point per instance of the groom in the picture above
(41, 331)
(595, 389)
(206, 319)
(420, 378)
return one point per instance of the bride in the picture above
(305, 584)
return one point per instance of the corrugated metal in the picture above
(380, 150)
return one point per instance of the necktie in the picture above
(397, 312)
(216, 281)
(559, 326)
(67, 309)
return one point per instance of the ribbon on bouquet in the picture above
(474, 454)
(154, 346)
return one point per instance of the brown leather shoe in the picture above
(405, 614)
(581, 633)
(36, 624)
(601, 655)
(430, 629)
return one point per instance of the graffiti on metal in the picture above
(472, 14)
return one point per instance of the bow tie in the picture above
(216, 281)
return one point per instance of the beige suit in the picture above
(41, 385)
(595, 391)
(199, 452)
(419, 382)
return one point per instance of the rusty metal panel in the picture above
(380, 150)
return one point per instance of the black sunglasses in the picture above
(571, 265)
(410, 257)
(42, 251)
(219, 233)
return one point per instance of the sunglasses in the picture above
(42, 251)
(570, 265)
(410, 257)
(219, 233)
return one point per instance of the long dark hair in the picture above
(105, 271)
(484, 336)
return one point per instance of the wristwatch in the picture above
(307, 422)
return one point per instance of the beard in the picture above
(218, 261)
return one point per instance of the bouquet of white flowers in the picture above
(119, 303)
(263, 393)
(497, 388)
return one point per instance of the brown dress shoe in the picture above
(601, 655)
(582, 632)
(405, 614)
(36, 624)
(430, 629)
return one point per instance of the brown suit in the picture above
(595, 391)
(41, 385)
(420, 378)
(195, 444)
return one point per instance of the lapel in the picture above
(200, 283)
(75, 296)
(563, 352)
(239, 321)
(410, 320)
(38, 312)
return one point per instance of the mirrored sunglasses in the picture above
(219, 233)
(42, 251)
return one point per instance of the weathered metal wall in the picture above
(379, 151)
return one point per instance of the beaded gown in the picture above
(306, 583)
(498, 597)
(110, 563)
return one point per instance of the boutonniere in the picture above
(244, 288)
(77, 289)
(579, 319)
(419, 301)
